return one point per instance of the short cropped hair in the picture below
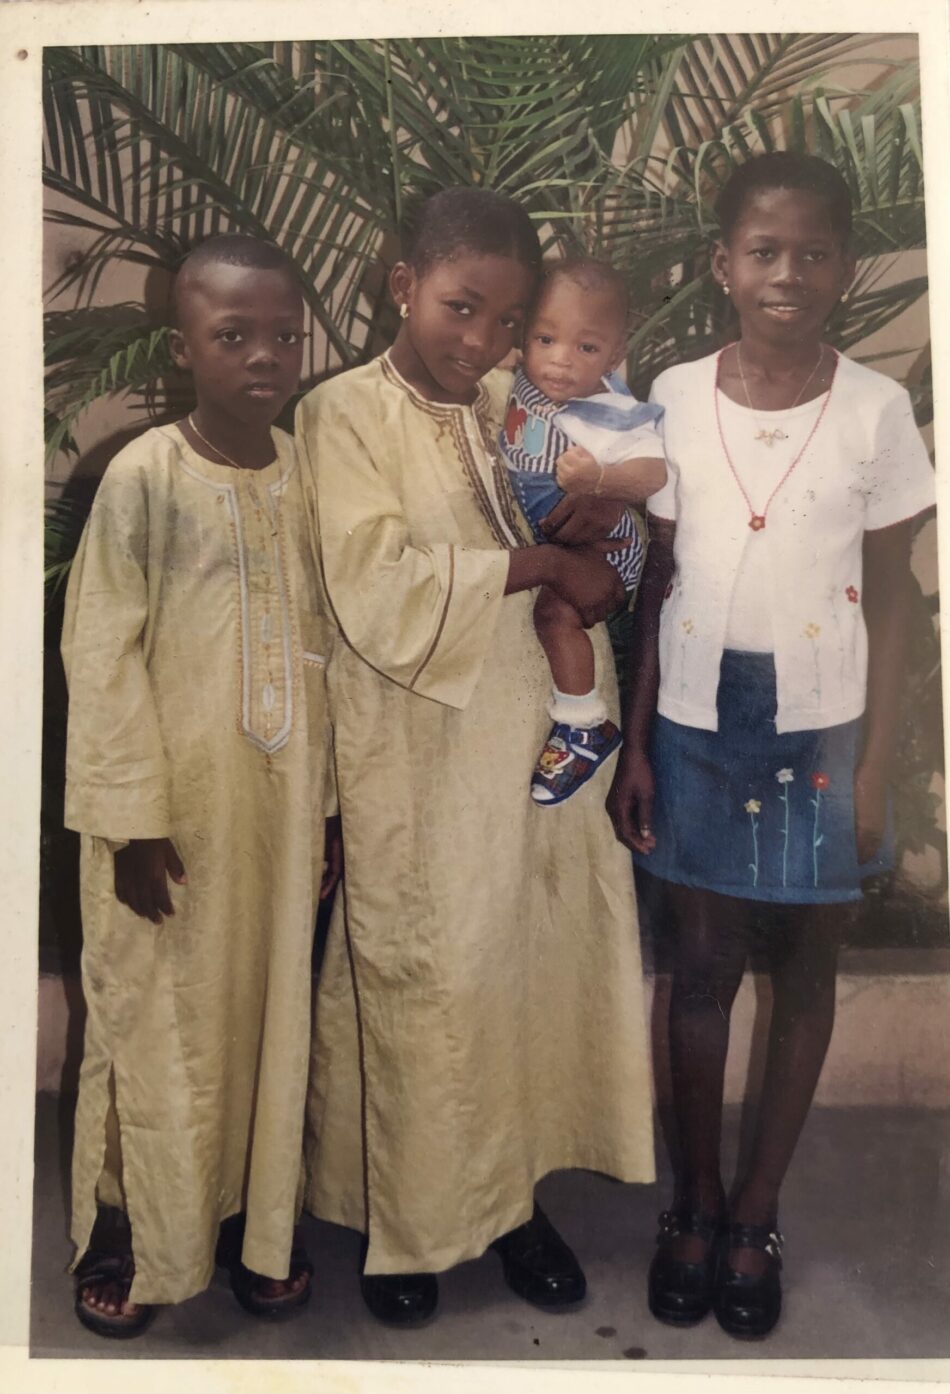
(591, 275)
(469, 220)
(238, 249)
(232, 249)
(785, 169)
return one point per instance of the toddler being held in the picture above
(573, 428)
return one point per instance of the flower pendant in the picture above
(757, 522)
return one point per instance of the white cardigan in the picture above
(865, 468)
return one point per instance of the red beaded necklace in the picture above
(757, 520)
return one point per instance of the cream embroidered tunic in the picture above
(480, 1011)
(195, 659)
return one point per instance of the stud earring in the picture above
(725, 288)
(844, 297)
(404, 311)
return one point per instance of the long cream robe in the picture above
(498, 1015)
(195, 658)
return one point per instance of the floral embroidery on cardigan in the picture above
(812, 632)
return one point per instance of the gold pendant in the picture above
(770, 437)
(757, 522)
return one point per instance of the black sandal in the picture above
(245, 1283)
(681, 1293)
(117, 1269)
(748, 1305)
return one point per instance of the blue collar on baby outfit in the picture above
(614, 409)
(533, 436)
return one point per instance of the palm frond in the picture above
(616, 144)
(95, 352)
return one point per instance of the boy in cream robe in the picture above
(195, 771)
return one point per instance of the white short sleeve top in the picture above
(865, 467)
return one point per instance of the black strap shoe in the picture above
(681, 1293)
(400, 1299)
(539, 1266)
(748, 1305)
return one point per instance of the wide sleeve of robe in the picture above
(116, 777)
(422, 615)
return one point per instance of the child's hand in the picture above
(332, 855)
(630, 801)
(141, 869)
(577, 471)
(581, 519)
(870, 810)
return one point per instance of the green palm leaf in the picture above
(94, 352)
(616, 144)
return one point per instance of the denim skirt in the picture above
(748, 812)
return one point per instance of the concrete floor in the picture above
(866, 1213)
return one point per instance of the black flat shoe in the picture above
(539, 1266)
(681, 1293)
(748, 1305)
(400, 1299)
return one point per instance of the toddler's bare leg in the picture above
(582, 736)
(565, 642)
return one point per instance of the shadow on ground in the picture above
(865, 1216)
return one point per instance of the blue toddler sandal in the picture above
(571, 756)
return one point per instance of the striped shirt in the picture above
(536, 433)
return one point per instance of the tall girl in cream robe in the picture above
(480, 1019)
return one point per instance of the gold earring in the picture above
(404, 311)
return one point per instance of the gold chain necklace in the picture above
(757, 520)
(245, 469)
(217, 450)
(770, 437)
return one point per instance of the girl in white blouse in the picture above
(764, 688)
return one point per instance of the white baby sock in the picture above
(584, 712)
